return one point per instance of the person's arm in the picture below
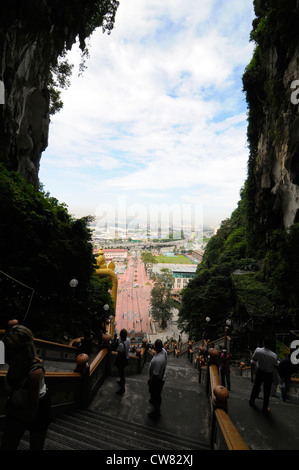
(28, 414)
(152, 376)
(254, 356)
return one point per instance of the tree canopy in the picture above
(259, 293)
(148, 258)
(161, 302)
(43, 247)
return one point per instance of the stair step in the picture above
(63, 432)
(153, 433)
(89, 430)
(99, 434)
(93, 429)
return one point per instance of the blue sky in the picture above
(159, 116)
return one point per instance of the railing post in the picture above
(83, 368)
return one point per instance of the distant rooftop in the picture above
(115, 250)
(184, 269)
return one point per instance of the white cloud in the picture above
(159, 110)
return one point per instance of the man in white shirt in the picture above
(157, 378)
(266, 361)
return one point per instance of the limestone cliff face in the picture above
(277, 165)
(33, 34)
(273, 129)
(24, 120)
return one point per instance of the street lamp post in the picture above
(110, 327)
(73, 284)
(208, 321)
(106, 309)
(228, 324)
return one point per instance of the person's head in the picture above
(123, 334)
(158, 345)
(267, 343)
(19, 344)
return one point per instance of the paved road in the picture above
(133, 298)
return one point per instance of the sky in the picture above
(158, 118)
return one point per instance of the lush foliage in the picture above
(210, 294)
(43, 247)
(161, 302)
(260, 295)
(148, 258)
(250, 268)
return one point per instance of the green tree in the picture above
(211, 293)
(43, 247)
(161, 302)
(148, 258)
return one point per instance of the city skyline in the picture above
(159, 116)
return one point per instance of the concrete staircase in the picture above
(115, 422)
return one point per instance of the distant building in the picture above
(117, 255)
(182, 275)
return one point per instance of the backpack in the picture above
(121, 358)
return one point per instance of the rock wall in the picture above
(273, 122)
(24, 120)
(33, 35)
(277, 166)
(24, 117)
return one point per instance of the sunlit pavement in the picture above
(133, 304)
(133, 298)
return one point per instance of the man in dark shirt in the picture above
(157, 378)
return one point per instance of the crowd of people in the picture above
(157, 370)
(28, 402)
(29, 407)
(264, 365)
